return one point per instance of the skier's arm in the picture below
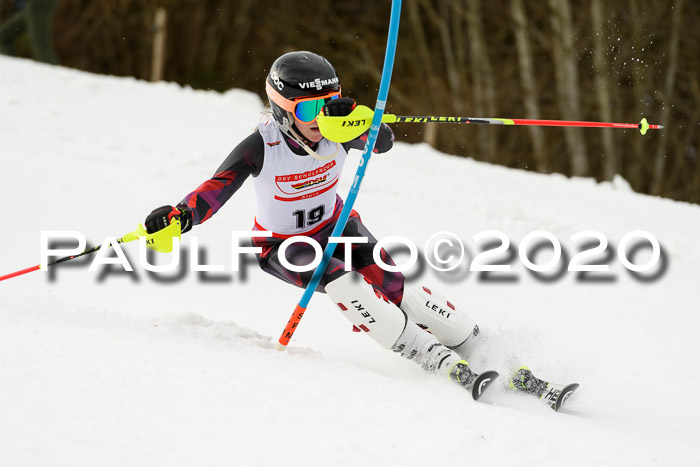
(246, 159)
(385, 140)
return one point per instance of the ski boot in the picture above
(551, 394)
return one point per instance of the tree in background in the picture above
(591, 60)
(35, 18)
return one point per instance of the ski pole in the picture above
(157, 241)
(58, 261)
(375, 120)
(349, 127)
(642, 126)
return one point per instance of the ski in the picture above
(482, 382)
(554, 395)
(562, 395)
(476, 383)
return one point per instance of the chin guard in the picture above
(347, 128)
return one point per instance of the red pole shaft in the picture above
(523, 121)
(520, 121)
(19, 273)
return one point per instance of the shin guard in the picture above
(367, 309)
(436, 314)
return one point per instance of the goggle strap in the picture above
(278, 98)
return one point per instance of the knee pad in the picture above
(367, 308)
(430, 310)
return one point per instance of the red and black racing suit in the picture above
(247, 160)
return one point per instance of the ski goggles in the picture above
(305, 109)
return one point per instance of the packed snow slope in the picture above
(112, 369)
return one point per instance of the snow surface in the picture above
(121, 369)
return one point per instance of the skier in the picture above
(295, 173)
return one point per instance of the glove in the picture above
(385, 139)
(161, 217)
(339, 107)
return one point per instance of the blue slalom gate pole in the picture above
(359, 175)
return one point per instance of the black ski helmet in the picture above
(295, 75)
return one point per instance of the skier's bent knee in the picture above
(432, 311)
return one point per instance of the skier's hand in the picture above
(385, 139)
(161, 217)
(384, 142)
(339, 107)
